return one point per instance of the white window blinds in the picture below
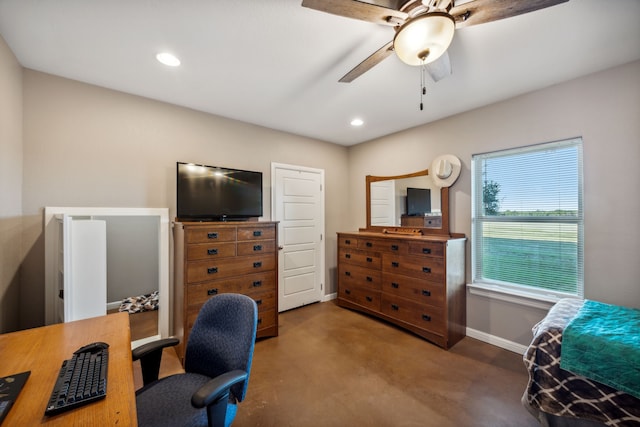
(528, 218)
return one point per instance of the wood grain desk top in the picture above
(42, 351)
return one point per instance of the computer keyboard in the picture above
(81, 380)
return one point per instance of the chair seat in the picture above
(168, 403)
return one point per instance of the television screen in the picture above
(418, 201)
(216, 193)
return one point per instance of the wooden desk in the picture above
(42, 350)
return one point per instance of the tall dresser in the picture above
(416, 282)
(222, 257)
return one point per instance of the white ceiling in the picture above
(276, 64)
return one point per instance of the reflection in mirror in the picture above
(137, 252)
(411, 200)
(394, 199)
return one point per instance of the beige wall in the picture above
(604, 109)
(10, 187)
(89, 146)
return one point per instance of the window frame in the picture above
(483, 285)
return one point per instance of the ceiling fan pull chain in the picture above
(423, 89)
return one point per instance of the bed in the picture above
(560, 397)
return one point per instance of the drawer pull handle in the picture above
(257, 233)
(395, 285)
(369, 298)
(426, 293)
(426, 317)
(426, 250)
(212, 270)
(257, 248)
(347, 242)
(395, 264)
(213, 251)
(259, 320)
(369, 244)
(212, 235)
(369, 259)
(369, 279)
(395, 307)
(394, 247)
(347, 273)
(257, 264)
(257, 283)
(258, 301)
(213, 291)
(347, 256)
(347, 291)
(426, 270)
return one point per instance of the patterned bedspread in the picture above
(558, 392)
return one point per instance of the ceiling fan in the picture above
(423, 28)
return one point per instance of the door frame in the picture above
(323, 239)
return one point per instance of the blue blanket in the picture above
(602, 342)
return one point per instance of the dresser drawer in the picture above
(267, 318)
(365, 297)
(251, 284)
(256, 232)
(210, 234)
(256, 247)
(347, 242)
(397, 247)
(414, 289)
(353, 275)
(196, 251)
(367, 244)
(266, 315)
(200, 271)
(266, 301)
(434, 249)
(361, 258)
(420, 315)
(424, 268)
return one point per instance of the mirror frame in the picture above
(444, 208)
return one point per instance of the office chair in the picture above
(217, 364)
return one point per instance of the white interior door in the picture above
(298, 204)
(85, 268)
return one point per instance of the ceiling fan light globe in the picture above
(424, 38)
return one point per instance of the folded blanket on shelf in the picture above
(602, 342)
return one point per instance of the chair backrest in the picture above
(223, 338)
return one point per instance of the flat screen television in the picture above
(210, 193)
(418, 201)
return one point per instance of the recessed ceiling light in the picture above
(168, 59)
(357, 122)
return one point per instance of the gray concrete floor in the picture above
(331, 366)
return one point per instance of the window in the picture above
(527, 221)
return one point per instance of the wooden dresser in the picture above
(222, 257)
(414, 281)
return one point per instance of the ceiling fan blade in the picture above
(440, 68)
(481, 11)
(358, 10)
(373, 60)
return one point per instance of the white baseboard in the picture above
(113, 305)
(329, 297)
(497, 341)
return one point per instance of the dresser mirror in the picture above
(410, 203)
